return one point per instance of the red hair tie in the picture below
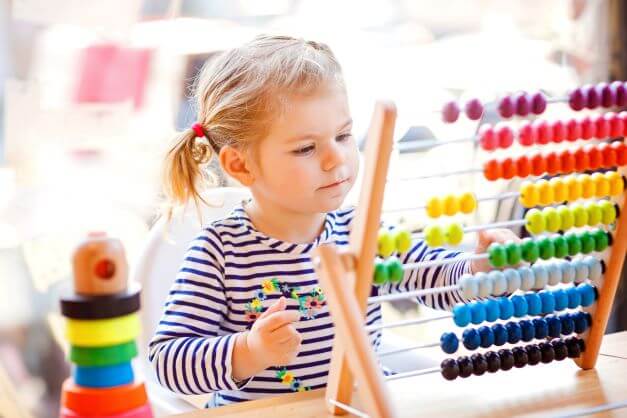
(197, 128)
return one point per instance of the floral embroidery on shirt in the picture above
(287, 378)
(309, 304)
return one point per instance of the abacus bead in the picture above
(574, 297)
(527, 329)
(487, 336)
(553, 164)
(568, 271)
(561, 246)
(465, 366)
(520, 357)
(479, 364)
(619, 91)
(450, 112)
(394, 269)
(616, 124)
(574, 187)
(553, 220)
(492, 312)
(434, 207)
(385, 243)
(561, 352)
(582, 161)
(541, 328)
(588, 294)
(621, 152)
(454, 234)
(602, 126)
(473, 109)
(592, 96)
(576, 99)
(554, 324)
(504, 136)
(553, 271)
(533, 354)
(572, 347)
(434, 235)
(545, 133)
(581, 323)
(588, 188)
(500, 334)
(533, 303)
(506, 308)
(380, 273)
(499, 282)
(574, 243)
(601, 240)
(514, 252)
(609, 155)
(581, 270)
(601, 185)
(567, 217)
(477, 313)
(567, 158)
(520, 306)
(538, 165)
(492, 170)
(497, 255)
(523, 104)
(540, 275)
(561, 299)
(588, 128)
(449, 342)
(546, 350)
(461, 314)
(535, 222)
(580, 215)
(508, 168)
(523, 166)
(527, 278)
(573, 130)
(538, 103)
(547, 249)
(450, 204)
(587, 242)
(594, 213)
(402, 240)
(527, 134)
(560, 191)
(493, 360)
(546, 192)
(449, 369)
(548, 301)
(471, 339)
(485, 285)
(529, 194)
(568, 325)
(507, 359)
(559, 131)
(467, 202)
(487, 137)
(608, 95)
(616, 183)
(507, 107)
(512, 278)
(469, 286)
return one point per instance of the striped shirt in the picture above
(231, 273)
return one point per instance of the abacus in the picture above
(102, 324)
(556, 286)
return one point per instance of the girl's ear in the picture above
(235, 163)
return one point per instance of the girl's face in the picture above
(309, 160)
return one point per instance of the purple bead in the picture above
(620, 93)
(608, 96)
(507, 107)
(576, 99)
(523, 104)
(538, 103)
(450, 112)
(473, 109)
(593, 99)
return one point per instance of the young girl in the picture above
(245, 317)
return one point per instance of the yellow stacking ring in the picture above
(102, 332)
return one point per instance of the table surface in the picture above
(554, 389)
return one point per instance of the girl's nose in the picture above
(333, 156)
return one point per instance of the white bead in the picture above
(595, 270)
(485, 284)
(581, 270)
(541, 276)
(499, 282)
(555, 274)
(527, 278)
(513, 280)
(468, 286)
(568, 271)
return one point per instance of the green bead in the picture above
(385, 243)
(529, 249)
(574, 243)
(546, 247)
(601, 240)
(403, 240)
(535, 221)
(380, 273)
(587, 242)
(497, 255)
(394, 269)
(595, 213)
(552, 218)
(561, 246)
(514, 253)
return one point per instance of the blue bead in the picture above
(555, 326)
(449, 342)
(492, 310)
(520, 306)
(487, 336)
(506, 308)
(528, 330)
(561, 299)
(514, 333)
(568, 325)
(104, 376)
(461, 315)
(477, 312)
(534, 303)
(588, 294)
(548, 301)
(574, 297)
(500, 334)
(541, 327)
(581, 324)
(471, 338)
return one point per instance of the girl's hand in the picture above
(484, 239)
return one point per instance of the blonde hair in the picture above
(238, 95)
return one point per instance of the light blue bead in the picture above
(581, 270)
(499, 282)
(468, 286)
(485, 284)
(595, 270)
(520, 306)
(548, 301)
(492, 310)
(561, 299)
(555, 274)
(477, 312)
(527, 278)
(461, 314)
(513, 280)
(534, 304)
(506, 308)
(574, 297)
(588, 294)
(541, 275)
(568, 271)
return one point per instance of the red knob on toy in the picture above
(582, 162)
(487, 138)
(545, 133)
(538, 165)
(553, 163)
(492, 170)
(595, 158)
(523, 166)
(609, 155)
(588, 128)
(567, 159)
(508, 168)
(527, 134)
(573, 130)
(505, 135)
(559, 131)
(602, 126)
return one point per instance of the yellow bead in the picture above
(403, 240)
(560, 190)
(385, 243)
(552, 219)
(535, 221)
(616, 183)
(454, 233)
(608, 212)
(602, 185)
(451, 204)
(546, 192)
(529, 194)
(434, 207)
(434, 236)
(594, 213)
(574, 188)
(467, 202)
(580, 214)
(588, 188)
(567, 217)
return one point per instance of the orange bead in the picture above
(567, 161)
(523, 166)
(545, 192)
(560, 190)
(582, 162)
(492, 170)
(602, 185)
(595, 157)
(538, 165)
(553, 164)
(608, 153)
(588, 188)
(508, 167)
(621, 152)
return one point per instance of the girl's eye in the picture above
(343, 137)
(304, 150)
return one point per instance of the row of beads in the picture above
(553, 219)
(531, 304)
(521, 104)
(600, 95)
(570, 188)
(546, 247)
(389, 241)
(389, 270)
(538, 276)
(505, 359)
(513, 332)
(451, 204)
(438, 235)
(589, 157)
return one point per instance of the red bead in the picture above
(593, 99)
(553, 163)
(602, 126)
(616, 124)
(607, 94)
(450, 112)
(487, 138)
(505, 135)
(621, 152)
(582, 162)
(588, 128)
(608, 153)
(573, 130)
(473, 109)
(523, 166)
(508, 168)
(559, 131)
(595, 158)
(527, 134)
(623, 117)
(576, 99)
(507, 107)
(492, 170)
(621, 93)
(523, 104)
(567, 159)
(538, 103)
(538, 165)
(545, 133)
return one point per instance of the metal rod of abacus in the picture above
(410, 348)
(421, 144)
(412, 294)
(505, 224)
(443, 261)
(444, 174)
(413, 373)
(348, 408)
(414, 321)
(500, 196)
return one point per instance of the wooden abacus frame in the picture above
(347, 279)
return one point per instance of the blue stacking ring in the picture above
(104, 376)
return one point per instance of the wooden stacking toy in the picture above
(102, 325)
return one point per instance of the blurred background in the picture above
(92, 92)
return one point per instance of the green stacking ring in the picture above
(103, 356)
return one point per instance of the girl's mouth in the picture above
(337, 183)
